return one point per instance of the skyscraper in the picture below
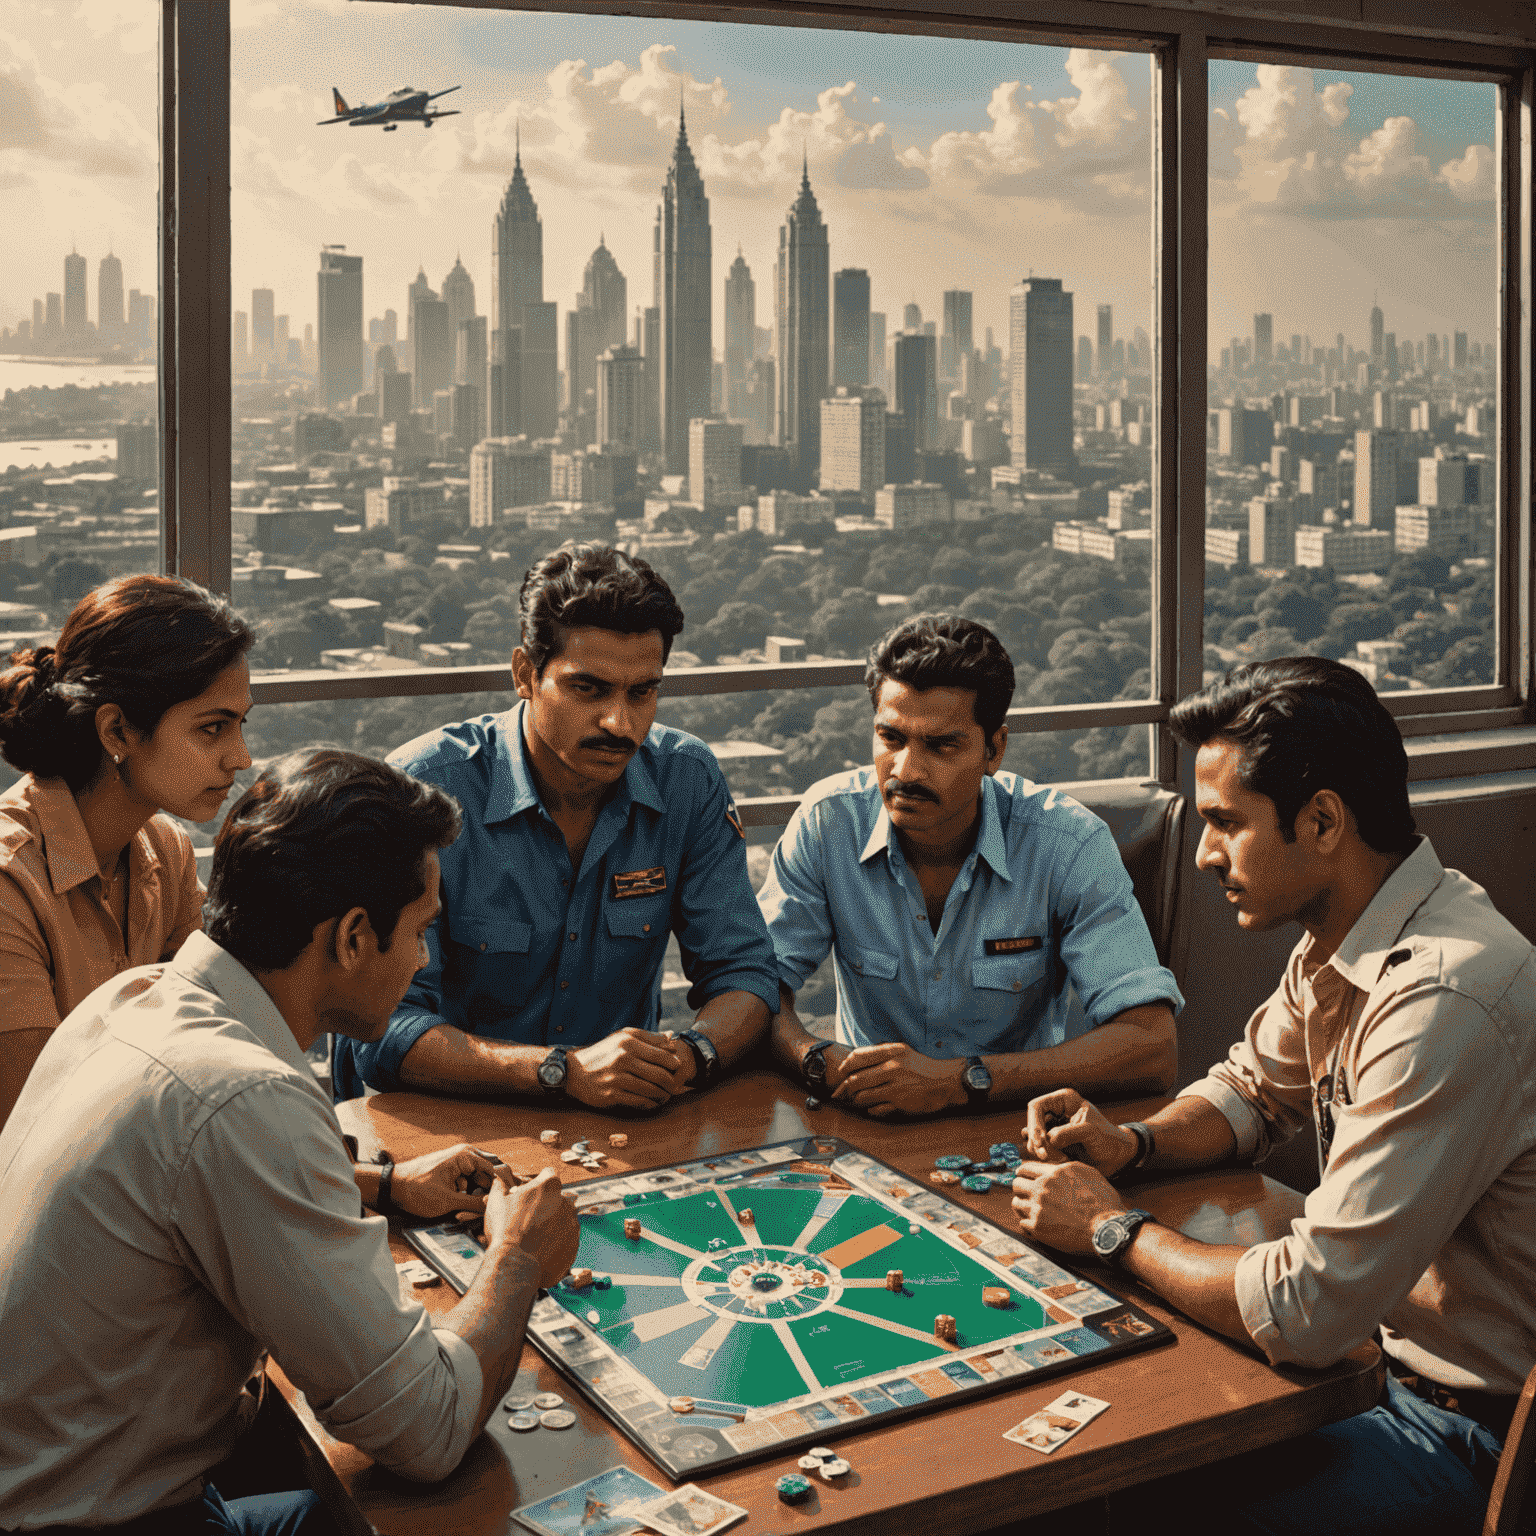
(1084, 359)
(620, 397)
(75, 318)
(1263, 338)
(955, 340)
(526, 324)
(109, 298)
(432, 349)
(340, 313)
(850, 327)
(472, 362)
(1375, 502)
(714, 462)
(877, 350)
(263, 327)
(681, 266)
(1378, 332)
(420, 289)
(459, 296)
(917, 386)
(1040, 345)
(1106, 352)
(601, 310)
(801, 315)
(740, 332)
(853, 441)
(911, 317)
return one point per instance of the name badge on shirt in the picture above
(640, 882)
(1012, 946)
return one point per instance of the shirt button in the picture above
(1018, 986)
(564, 985)
(559, 1029)
(571, 937)
(482, 947)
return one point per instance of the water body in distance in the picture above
(55, 372)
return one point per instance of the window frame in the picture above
(1441, 724)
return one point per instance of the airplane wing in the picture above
(370, 114)
(428, 117)
(435, 94)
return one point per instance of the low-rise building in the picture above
(1348, 550)
(900, 507)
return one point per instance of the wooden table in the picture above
(1199, 1400)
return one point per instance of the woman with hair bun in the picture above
(134, 715)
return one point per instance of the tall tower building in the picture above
(530, 400)
(432, 349)
(1106, 351)
(1040, 339)
(472, 357)
(911, 317)
(917, 386)
(420, 289)
(681, 264)
(648, 345)
(1263, 338)
(1375, 502)
(620, 397)
(75, 318)
(263, 325)
(740, 332)
(853, 441)
(340, 313)
(109, 298)
(1378, 332)
(601, 313)
(801, 313)
(850, 327)
(459, 296)
(955, 339)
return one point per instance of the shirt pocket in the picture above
(637, 940)
(493, 961)
(872, 964)
(1003, 985)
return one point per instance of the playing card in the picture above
(590, 1508)
(1057, 1422)
(687, 1512)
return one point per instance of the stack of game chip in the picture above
(794, 1489)
(618, 1139)
(952, 1161)
(977, 1183)
(550, 1138)
(944, 1328)
(943, 1176)
(631, 1226)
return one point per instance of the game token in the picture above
(943, 1176)
(618, 1139)
(834, 1468)
(952, 1160)
(811, 1103)
(591, 1162)
(602, 1282)
(631, 1226)
(794, 1489)
(518, 1404)
(680, 1404)
(744, 1216)
(581, 1278)
(547, 1400)
(914, 1229)
(550, 1138)
(944, 1328)
(581, 1146)
(977, 1183)
(523, 1422)
(557, 1418)
(821, 1453)
(996, 1296)
(594, 1316)
(893, 1280)
(570, 1156)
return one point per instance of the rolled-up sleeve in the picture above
(1436, 1117)
(266, 1211)
(1105, 944)
(794, 901)
(721, 936)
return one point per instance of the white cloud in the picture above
(134, 23)
(1470, 179)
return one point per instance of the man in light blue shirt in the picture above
(986, 939)
(591, 834)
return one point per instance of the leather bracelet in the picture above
(1146, 1145)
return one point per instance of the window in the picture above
(289, 207)
(1353, 473)
(79, 440)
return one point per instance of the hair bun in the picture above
(42, 659)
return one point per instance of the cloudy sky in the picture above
(937, 163)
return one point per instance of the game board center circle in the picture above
(762, 1284)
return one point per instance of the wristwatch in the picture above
(552, 1072)
(706, 1059)
(976, 1081)
(813, 1066)
(1113, 1235)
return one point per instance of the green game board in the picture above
(781, 1328)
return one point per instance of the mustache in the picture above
(911, 791)
(611, 743)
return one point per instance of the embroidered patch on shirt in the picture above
(640, 882)
(1012, 946)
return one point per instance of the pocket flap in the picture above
(873, 963)
(1009, 973)
(634, 919)
(491, 935)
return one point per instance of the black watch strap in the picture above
(706, 1059)
(556, 1054)
(975, 1097)
(385, 1203)
(816, 1078)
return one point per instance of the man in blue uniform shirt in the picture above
(958, 904)
(590, 835)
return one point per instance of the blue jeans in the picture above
(1404, 1468)
(265, 1514)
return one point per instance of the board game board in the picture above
(781, 1326)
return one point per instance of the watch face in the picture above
(552, 1073)
(978, 1079)
(1108, 1236)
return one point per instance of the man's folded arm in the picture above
(266, 1212)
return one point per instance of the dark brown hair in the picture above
(320, 832)
(940, 650)
(594, 586)
(143, 643)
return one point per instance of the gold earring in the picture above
(116, 758)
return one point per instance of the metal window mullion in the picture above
(1517, 481)
(195, 290)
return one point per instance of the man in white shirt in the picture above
(176, 1198)
(1403, 1028)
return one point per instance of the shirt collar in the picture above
(991, 845)
(1361, 956)
(67, 845)
(213, 968)
(514, 791)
